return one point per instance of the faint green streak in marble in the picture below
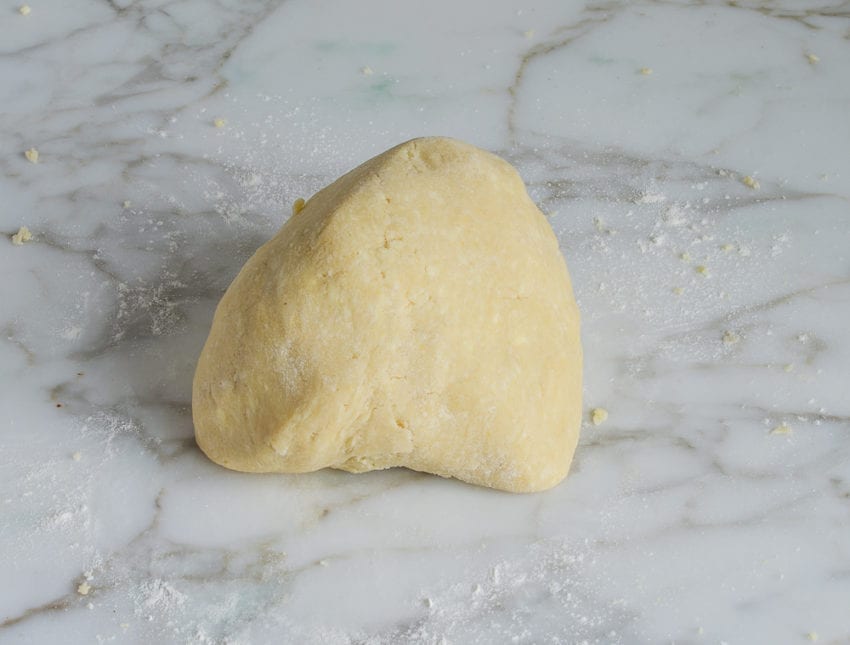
(382, 88)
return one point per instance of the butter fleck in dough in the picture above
(417, 312)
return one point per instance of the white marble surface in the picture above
(686, 519)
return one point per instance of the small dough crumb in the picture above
(219, 122)
(31, 155)
(730, 338)
(751, 182)
(598, 416)
(323, 563)
(727, 248)
(77, 456)
(702, 270)
(601, 227)
(812, 636)
(24, 10)
(782, 429)
(127, 203)
(646, 71)
(23, 235)
(366, 70)
(83, 588)
(298, 205)
(685, 257)
(678, 291)
(528, 33)
(789, 367)
(813, 59)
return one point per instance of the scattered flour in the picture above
(72, 332)
(149, 310)
(650, 197)
(515, 601)
(156, 597)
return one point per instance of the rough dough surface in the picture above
(417, 312)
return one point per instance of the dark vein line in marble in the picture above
(60, 604)
(543, 49)
(723, 321)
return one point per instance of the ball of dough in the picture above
(417, 312)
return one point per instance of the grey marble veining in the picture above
(692, 158)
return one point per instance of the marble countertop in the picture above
(694, 160)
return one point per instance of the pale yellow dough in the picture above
(417, 312)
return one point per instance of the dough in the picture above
(417, 312)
